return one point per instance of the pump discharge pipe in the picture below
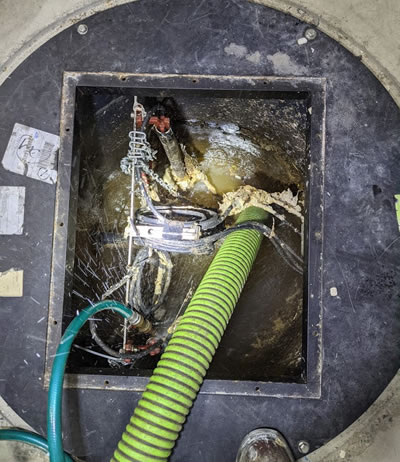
(160, 414)
(173, 152)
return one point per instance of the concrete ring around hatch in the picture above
(365, 425)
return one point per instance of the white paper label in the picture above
(12, 204)
(32, 153)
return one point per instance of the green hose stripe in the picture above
(198, 336)
(155, 394)
(182, 374)
(217, 302)
(245, 263)
(252, 214)
(207, 330)
(205, 323)
(134, 428)
(238, 249)
(179, 376)
(238, 246)
(138, 454)
(165, 419)
(151, 426)
(170, 405)
(208, 320)
(253, 245)
(131, 437)
(167, 409)
(220, 304)
(191, 357)
(222, 285)
(248, 239)
(232, 264)
(166, 423)
(168, 381)
(198, 322)
(121, 457)
(222, 268)
(236, 252)
(183, 365)
(191, 360)
(177, 395)
(212, 312)
(193, 346)
(197, 313)
(161, 411)
(136, 433)
(251, 235)
(136, 443)
(230, 259)
(182, 334)
(226, 290)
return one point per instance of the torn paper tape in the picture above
(12, 204)
(32, 153)
(12, 283)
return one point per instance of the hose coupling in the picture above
(141, 324)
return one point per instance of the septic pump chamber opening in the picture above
(234, 141)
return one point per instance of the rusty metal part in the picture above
(162, 123)
(150, 346)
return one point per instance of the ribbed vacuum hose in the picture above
(161, 412)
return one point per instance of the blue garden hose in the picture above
(54, 445)
(24, 436)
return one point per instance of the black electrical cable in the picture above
(126, 356)
(206, 244)
(143, 256)
(135, 296)
(204, 218)
(100, 342)
(149, 202)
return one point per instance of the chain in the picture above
(154, 176)
(139, 153)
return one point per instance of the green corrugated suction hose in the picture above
(161, 412)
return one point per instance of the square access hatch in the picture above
(263, 132)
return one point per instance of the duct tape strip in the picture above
(12, 205)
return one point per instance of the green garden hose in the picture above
(23, 436)
(54, 403)
(54, 445)
(161, 412)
